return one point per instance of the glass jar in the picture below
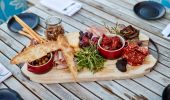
(53, 28)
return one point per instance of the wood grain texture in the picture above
(2, 85)
(17, 86)
(129, 6)
(138, 89)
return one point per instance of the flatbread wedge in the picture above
(68, 54)
(34, 52)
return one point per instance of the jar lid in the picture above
(53, 20)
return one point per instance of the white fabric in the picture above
(67, 7)
(4, 73)
(166, 32)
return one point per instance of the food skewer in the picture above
(25, 34)
(33, 36)
(28, 29)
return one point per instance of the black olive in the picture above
(121, 65)
(166, 93)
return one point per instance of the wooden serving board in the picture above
(110, 72)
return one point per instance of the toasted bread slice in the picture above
(73, 40)
(34, 52)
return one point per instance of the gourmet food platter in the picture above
(98, 53)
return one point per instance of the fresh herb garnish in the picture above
(113, 30)
(89, 58)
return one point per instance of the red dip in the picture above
(111, 43)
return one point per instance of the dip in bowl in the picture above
(110, 46)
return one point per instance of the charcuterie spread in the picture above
(98, 53)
